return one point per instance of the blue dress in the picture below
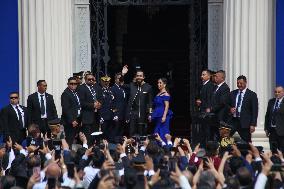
(159, 106)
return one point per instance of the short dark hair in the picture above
(71, 78)
(39, 82)
(222, 72)
(242, 77)
(140, 70)
(33, 126)
(208, 71)
(88, 73)
(117, 74)
(14, 92)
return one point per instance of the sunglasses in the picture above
(72, 83)
(91, 79)
(14, 97)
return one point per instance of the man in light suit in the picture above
(41, 107)
(15, 119)
(274, 119)
(243, 109)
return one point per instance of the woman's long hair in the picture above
(165, 81)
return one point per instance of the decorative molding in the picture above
(81, 2)
(81, 37)
(215, 36)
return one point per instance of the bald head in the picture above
(279, 92)
(53, 171)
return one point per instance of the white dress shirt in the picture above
(44, 99)
(218, 86)
(242, 97)
(22, 113)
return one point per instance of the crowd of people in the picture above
(91, 147)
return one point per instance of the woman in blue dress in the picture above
(162, 114)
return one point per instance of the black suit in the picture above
(90, 117)
(219, 107)
(11, 124)
(139, 104)
(248, 114)
(220, 100)
(205, 97)
(276, 133)
(70, 106)
(206, 93)
(35, 112)
(119, 105)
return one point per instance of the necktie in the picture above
(20, 116)
(42, 107)
(93, 93)
(274, 111)
(239, 104)
(77, 100)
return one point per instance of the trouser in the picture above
(275, 141)
(108, 130)
(136, 127)
(43, 127)
(243, 132)
(88, 129)
(119, 127)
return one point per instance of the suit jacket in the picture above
(279, 117)
(119, 102)
(34, 108)
(206, 93)
(220, 102)
(87, 102)
(140, 101)
(249, 108)
(11, 124)
(69, 106)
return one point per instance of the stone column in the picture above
(45, 46)
(249, 48)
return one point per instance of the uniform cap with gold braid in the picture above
(105, 78)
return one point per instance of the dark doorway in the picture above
(165, 38)
(156, 40)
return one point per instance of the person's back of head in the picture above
(235, 163)
(98, 158)
(7, 182)
(212, 148)
(244, 177)
(206, 180)
(232, 183)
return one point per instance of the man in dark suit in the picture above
(15, 119)
(139, 104)
(219, 103)
(206, 92)
(243, 109)
(119, 103)
(91, 99)
(71, 110)
(204, 104)
(41, 107)
(274, 120)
